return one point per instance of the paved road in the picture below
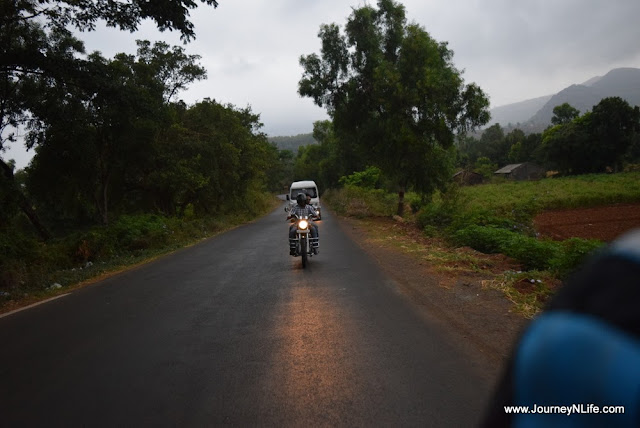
(234, 332)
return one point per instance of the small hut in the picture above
(521, 171)
(467, 178)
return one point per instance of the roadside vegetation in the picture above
(495, 218)
(32, 270)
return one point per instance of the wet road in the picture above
(234, 332)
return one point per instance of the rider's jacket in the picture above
(299, 211)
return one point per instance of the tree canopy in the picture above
(42, 61)
(595, 141)
(394, 95)
(564, 113)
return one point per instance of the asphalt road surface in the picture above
(234, 332)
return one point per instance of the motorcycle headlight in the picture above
(303, 224)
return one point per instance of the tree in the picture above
(494, 145)
(101, 127)
(531, 148)
(395, 98)
(564, 113)
(36, 42)
(171, 66)
(613, 127)
(566, 147)
(469, 150)
(225, 159)
(591, 143)
(485, 167)
(515, 141)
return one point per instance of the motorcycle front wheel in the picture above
(303, 251)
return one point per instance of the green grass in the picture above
(554, 193)
(498, 218)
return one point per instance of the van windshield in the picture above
(311, 191)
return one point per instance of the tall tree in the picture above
(494, 145)
(515, 141)
(102, 127)
(36, 41)
(393, 94)
(614, 125)
(226, 158)
(564, 113)
(567, 148)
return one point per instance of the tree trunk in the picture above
(401, 201)
(24, 204)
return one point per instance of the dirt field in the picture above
(604, 223)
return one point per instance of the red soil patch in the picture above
(603, 223)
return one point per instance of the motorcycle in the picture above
(306, 246)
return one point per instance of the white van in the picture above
(307, 187)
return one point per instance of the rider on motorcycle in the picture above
(300, 210)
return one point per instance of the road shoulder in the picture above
(479, 319)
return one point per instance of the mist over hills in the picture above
(534, 115)
(293, 142)
(518, 112)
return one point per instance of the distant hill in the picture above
(293, 142)
(535, 114)
(518, 112)
(579, 96)
(620, 82)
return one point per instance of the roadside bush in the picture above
(532, 253)
(558, 257)
(95, 243)
(16, 248)
(574, 252)
(451, 218)
(433, 216)
(485, 239)
(415, 202)
(443, 209)
(359, 202)
(139, 232)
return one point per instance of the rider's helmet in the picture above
(301, 199)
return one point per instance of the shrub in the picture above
(367, 179)
(443, 209)
(484, 239)
(532, 253)
(358, 202)
(139, 232)
(558, 257)
(574, 252)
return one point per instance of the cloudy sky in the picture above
(514, 50)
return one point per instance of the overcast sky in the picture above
(514, 50)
